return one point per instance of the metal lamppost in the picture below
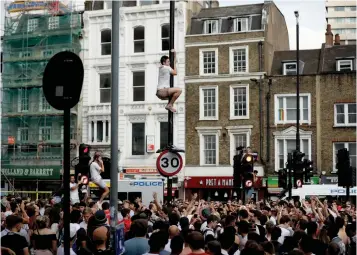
(297, 84)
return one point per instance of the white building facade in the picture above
(143, 120)
(341, 15)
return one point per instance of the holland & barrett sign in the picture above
(31, 172)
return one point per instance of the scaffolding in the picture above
(32, 131)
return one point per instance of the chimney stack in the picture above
(337, 39)
(328, 36)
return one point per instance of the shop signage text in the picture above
(147, 183)
(141, 171)
(219, 182)
(209, 182)
(32, 172)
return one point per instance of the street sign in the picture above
(248, 183)
(63, 80)
(169, 163)
(299, 183)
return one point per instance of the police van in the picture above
(321, 191)
(132, 189)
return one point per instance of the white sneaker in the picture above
(99, 204)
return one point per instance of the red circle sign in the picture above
(248, 183)
(169, 163)
(84, 180)
(298, 183)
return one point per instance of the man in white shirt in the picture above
(96, 168)
(74, 190)
(164, 92)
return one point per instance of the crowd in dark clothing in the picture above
(309, 227)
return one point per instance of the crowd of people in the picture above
(183, 227)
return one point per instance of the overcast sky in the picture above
(312, 20)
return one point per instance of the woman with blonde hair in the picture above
(43, 239)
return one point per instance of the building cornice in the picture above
(224, 77)
(203, 44)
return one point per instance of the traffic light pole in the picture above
(171, 115)
(297, 85)
(66, 170)
(290, 183)
(114, 125)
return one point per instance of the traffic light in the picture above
(84, 150)
(298, 167)
(283, 178)
(308, 170)
(84, 158)
(237, 171)
(247, 167)
(344, 171)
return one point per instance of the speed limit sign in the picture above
(169, 163)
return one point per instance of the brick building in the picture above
(228, 52)
(327, 103)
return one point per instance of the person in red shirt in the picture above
(196, 243)
(126, 219)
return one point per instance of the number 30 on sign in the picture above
(169, 163)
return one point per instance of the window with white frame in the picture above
(106, 42)
(208, 61)
(238, 136)
(211, 27)
(105, 87)
(345, 65)
(239, 102)
(209, 145)
(44, 105)
(165, 37)
(47, 53)
(351, 147)
(285, 146)
(240, 24)
(210, 149)
(285, 108)
(138, 139)
(138, 86)
(74, 20)
(23, 134)
(32, 25)
(53, 22)
(345, 114)
(45, 133)
(24, 100)
(239, 59)
(289, 68)
(139, 39)
(209, 103)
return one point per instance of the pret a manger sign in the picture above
(219, 182)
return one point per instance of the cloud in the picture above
(308, 39)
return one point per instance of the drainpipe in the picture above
(268, 121)
(260, 44)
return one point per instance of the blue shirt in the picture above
(136, 246)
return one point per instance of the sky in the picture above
(311, 18)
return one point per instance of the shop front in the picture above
(35, 181)
(218, 188)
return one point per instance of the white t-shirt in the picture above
(164, 77)
(74, 193)
(95, 171)
(60, 251)
(83, 224)
(284, 232)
